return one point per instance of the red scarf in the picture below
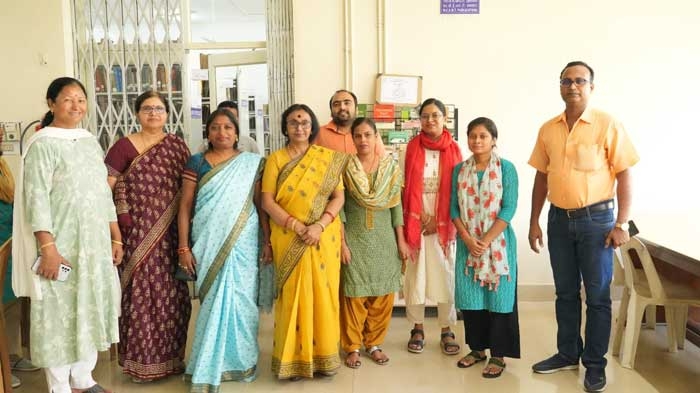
(450, 156)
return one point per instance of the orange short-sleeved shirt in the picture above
(273, 165)
(329, 137)
(581, 165)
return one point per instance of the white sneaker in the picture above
(15, 382)
(22, 364)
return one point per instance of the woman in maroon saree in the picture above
(144, 173)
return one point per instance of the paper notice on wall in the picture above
(459, 6)
(200, 75)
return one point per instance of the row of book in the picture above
(398, 124)
(118, 82)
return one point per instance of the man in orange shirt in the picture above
(336, 134)
(579, 156)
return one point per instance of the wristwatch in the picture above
(623, 225)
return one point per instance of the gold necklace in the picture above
(294, 153)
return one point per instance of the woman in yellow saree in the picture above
(302, 192)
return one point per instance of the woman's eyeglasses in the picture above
(431, 116)
(153, 109)
(294, 124)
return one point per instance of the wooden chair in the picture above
(5, 251)
(644, 287)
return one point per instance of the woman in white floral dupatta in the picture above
(484, 199)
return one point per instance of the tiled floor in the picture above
(656, 369)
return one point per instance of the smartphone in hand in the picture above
(63, 270)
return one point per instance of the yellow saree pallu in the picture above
(307, 329)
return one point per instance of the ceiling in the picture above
(212, 11)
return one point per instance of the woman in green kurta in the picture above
(64, 213)
(484, 199)
(373, 246)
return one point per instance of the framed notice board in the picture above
(399, 89)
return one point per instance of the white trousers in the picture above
(77, 375)
(447, 316)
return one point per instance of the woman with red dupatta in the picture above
(144, 173)
(429, 232)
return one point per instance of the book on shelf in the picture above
(383, 112)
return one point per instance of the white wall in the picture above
(28, 29)
(505, 63)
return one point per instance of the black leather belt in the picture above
(584, 211)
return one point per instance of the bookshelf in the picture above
(124, 48)
(399, 124)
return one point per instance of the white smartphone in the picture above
(63, 270)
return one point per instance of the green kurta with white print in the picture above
(66, 194)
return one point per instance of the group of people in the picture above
(343, 226)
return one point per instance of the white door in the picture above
(247, 71)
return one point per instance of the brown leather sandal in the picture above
(496, 362)
(449, 344)
(418, 343)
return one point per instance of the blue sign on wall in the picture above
(459, 6)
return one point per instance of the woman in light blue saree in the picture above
(222, 187)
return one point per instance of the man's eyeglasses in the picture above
(294, 124)
(431, 116)
(567, 82)
(153, 109)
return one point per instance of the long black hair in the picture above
(151, 94)
(363, 120)
(433, 101)
(314, 121)
(487, 123)
(230, 116)
(54, 90)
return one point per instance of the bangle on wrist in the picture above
(183, 250)
(43, 246)
(117, 242)
(294, 225)
(286, 221)
(332, 216)
(323, 227)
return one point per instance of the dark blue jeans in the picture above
(577, 251)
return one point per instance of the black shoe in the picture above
(595, 380)
(554, 364)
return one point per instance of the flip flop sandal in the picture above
(357, 363)
(449, 344)
(374, 349)
(496, 362)
(474, 355)
(419, 343)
